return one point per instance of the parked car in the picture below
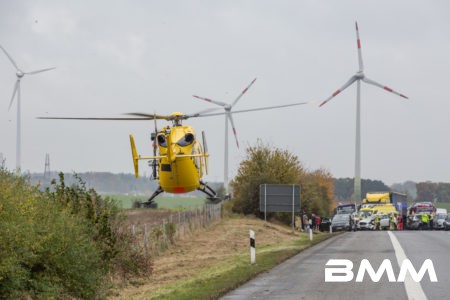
(367, 223)
(343, 222)
(385, 221)
(447, 222)
(414, 221)
(438, 221)
(325, 224)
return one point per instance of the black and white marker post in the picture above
(252, 247)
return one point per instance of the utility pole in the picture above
(47, 166)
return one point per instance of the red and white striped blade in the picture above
(346, 85)
(370, 81)
(210, 100)
(234, 128)
(243, 92)
(358, 44)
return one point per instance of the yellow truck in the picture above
(377, 198)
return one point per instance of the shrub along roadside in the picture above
(61, 243)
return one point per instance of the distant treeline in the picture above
(109, 183)
(421, 191)
(432, 191)
(343, 188)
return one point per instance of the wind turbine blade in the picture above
(39, 71)
(10, 58)
(243, 92)
(346, 85)
(252, 109)
(210, 100)
(370, 81)
(358, 43)
(270, 107)
(234, 128)
(16, 87)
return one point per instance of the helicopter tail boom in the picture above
(135, 156)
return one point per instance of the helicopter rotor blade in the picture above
(150, 116)
(16, 87)
(223, 104)
(95, 118)
(202, 112)
(243, 92)
(10, 58)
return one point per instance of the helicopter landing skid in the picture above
(212, 196)
(150, 203)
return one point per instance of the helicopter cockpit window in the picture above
(186, 140)
(162, 140)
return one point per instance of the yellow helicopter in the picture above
(178, 158)
(179, 164)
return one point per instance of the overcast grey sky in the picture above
(115, 57)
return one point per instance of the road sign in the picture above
(279, 198)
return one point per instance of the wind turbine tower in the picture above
(358, 77)
(19, 74)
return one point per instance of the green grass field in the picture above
(443, 205)
(168, 202)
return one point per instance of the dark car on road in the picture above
(343, 221)
(325, 224)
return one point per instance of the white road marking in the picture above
(413, 289)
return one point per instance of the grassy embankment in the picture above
(216, 280)
(216, 260)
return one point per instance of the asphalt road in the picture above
(303, 276)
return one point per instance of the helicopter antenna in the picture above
(205, 150)
(154, 148)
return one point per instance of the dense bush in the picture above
(268, 165)
(61, 243)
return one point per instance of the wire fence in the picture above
(156, 238)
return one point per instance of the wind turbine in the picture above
(20, 74)
(358, 77)
(228, 117)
